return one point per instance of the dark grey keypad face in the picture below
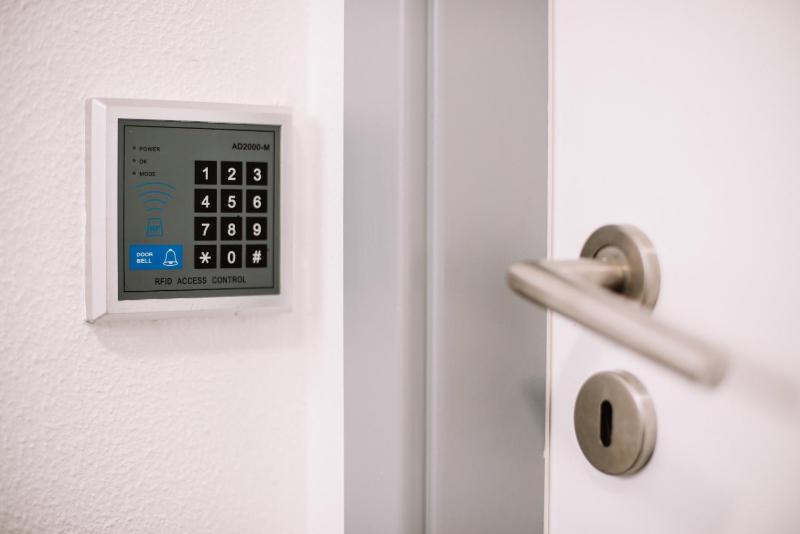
(198, 209)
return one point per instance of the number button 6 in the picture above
(256, 201)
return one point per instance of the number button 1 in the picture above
(257, 173)
(205, 172)
(231, 173)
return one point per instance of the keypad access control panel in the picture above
(198, 209)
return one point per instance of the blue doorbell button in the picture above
(155, 257)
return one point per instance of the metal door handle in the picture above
(618, 260)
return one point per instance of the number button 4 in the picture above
(231, 173)
(257, 173)
(205, 200)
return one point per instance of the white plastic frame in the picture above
(102, 274)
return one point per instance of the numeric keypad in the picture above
(224, 193)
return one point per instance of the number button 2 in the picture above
(205, 200)
(257, 173)
(231, 173)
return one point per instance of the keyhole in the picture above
(606, 422)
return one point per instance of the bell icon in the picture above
(169, 258)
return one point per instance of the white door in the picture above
(683, 118)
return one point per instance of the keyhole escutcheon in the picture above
(606, 422)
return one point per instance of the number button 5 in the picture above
(230, 200)
(231, 173)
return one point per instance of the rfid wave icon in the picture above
(155, 196)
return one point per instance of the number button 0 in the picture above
(257, 173)
(205, 200)
(257, 228)
(230, 256)
(231, 228)
(231, 173)
(205, 172)
(205, 228)
(256, 201)
(230, 200)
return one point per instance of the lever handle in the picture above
(618, 260)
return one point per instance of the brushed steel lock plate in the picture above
(615, 422)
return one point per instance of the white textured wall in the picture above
(226, 424)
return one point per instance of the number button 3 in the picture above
(257, 173)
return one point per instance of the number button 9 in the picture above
(257, 228)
